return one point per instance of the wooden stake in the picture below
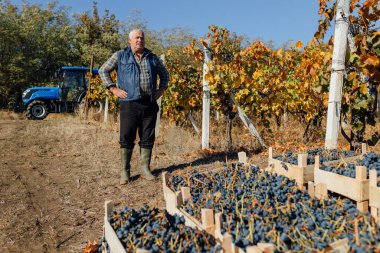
(321, 191)
(227, 243)
(270, 153)
(88, 87)
(186, 194)
(242, 157)
(362, 206)
(218, 225)
(311, 189)
(302, 160)
(360, 173)
(317, 162)
(106, 109)
(357, 241)
(364, 148)
(253, 249)
(247, 122)
(208, 222)
(340, 246)
(266, 247)
(373, 178)
(193, 123)
(138, 250)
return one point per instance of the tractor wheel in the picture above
(37, 110)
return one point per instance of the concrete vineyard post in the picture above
(106, 109)
(337, 72)
(206, 97)
(88, 88)
(158, 120)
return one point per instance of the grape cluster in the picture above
(103, 246)
(324, 155)
(259, 207)
(155, 230)
(370, 161)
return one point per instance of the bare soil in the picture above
(56, 174)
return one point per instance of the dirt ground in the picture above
(57, 173)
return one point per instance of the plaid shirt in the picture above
(146, 90)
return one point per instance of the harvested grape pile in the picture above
(156, 230)
(324, 154)
(259, 207)
(371, 161)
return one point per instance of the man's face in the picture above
(137, 42)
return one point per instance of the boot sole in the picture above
(149, 179)
(124, 182)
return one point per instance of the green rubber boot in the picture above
(125, 173)
(146, 155)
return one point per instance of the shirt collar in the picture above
(145, 52)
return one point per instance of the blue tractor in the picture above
(40, 101)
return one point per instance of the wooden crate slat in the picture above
(374, 195)
(189, 219)
(208, 222)
(292, 172)
(109, 234)
(352, 188)
(142, 250)
(242, 157)
(173, 201)
(340, 246)
(225, 239)
(306, 174)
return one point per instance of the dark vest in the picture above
(128, 73)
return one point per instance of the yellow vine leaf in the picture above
(372, 60)
(299, 45)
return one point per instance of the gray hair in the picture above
(135, 30)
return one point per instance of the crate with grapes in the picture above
(255, 211)
(300, 166)
(350, 179)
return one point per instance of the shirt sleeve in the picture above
(163, 74)
(106, 69)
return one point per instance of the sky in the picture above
(277, 20)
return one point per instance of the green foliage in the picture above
(34, 42)
(95, 36)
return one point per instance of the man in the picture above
(137, 70)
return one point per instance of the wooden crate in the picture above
(340, 246)
(110, 235)
(174, 202)
(356, 188)
(301, 173)
(374, 195)
(213, 224)
(209, 221)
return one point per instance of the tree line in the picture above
(35, 41)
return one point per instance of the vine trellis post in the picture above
(159, 101)
(337, 73)
(206, 97)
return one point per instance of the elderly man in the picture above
(137, 70)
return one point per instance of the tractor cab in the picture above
(73, 83)
(39, 101)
